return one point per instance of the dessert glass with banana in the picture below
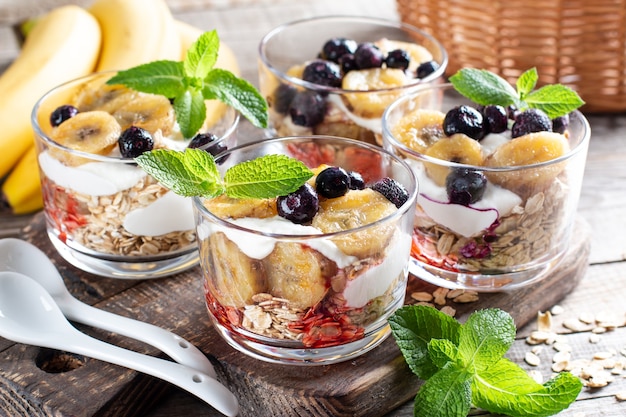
(336, 75)
(499, 186)
(104, 214)
(311, 276)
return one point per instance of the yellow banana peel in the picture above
(63, 45)
(135, 32)
(22, 188)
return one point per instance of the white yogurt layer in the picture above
(376, 281)
(91, 178)
(466, 221)
(170, 213)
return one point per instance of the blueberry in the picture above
(204, 141)
(322, 72)
(496, 118)
(307, 108)
(61, 114)
(560, 124)
(332, 182)
(465, 186)
(348, 63)
(300, 206)
(426, 68)
(529, 121)
(368, 55)
(392, 190)
(464, 119)
(356, 180)
(512, 111)
(398, 58)
(282, 97)
(134, 141)
(336, 48)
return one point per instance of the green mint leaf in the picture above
(192, 172)
(190, 111)
(202, 55)
(485, 337)
(413, 327)
(266, 177)
(442, 351)
(484, 87)
(445, 394)
(166, 78)
(555, 100)
(238, 93)
(505, 388)
(527, 82)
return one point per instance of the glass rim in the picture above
(361, 19)
(406, 207)
(393, 141)
(96, 157)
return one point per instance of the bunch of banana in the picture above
(64, 44)
(70, 42)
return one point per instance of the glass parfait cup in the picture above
(103, 213)
(518, 231)
(292, 294)
(353, 110)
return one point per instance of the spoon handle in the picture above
(170, 343)
(191, 380)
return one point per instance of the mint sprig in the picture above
(190, 82)
(464, 365)
(193, 172)
(485, 87)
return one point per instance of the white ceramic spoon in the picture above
(20, 256)
(29, 315)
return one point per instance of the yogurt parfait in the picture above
(104, 213)
(499, 185)
(336, 75)
(309, 276)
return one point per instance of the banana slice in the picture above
(420, 129)
(296, 273)
(417, 53)
(236, 208)
(148, 111)
(354, 209)
(96, 95)
(456, 148)
(372, 103)
(94, 132)
(529, 149)
(232, 276)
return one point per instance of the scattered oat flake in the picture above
(562, 357)
(440, 295)
(574, 325)
(562, 347)
(455, 293)
(621, 396)
(450, 311)
(586, 318)
(536, 375)
(422, 296)
(602, 355)
(594, 338)
(560, 366)
(556, 310)
(544, 321)
(466, 297)
(532, 359)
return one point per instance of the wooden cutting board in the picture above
(37, 382)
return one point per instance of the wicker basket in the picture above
(579, 43)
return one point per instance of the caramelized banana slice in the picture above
(420, 129)
(94, 132)
(148, 111)
(96, 95)
(456, 148)
(297, 273)
(232, 276)
(236, 208)
(529, 149)
(373, 103)
(354, 209)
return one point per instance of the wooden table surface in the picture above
(241, 23)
